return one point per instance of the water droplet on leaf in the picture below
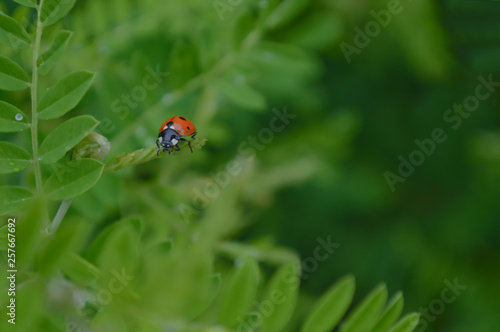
(19, 116)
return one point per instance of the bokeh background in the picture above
(229, 66)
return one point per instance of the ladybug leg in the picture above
(194, 134)
(177, 147)
(188, 142)
(158, 151)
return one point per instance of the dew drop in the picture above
(40, 158)
(19, 116)
(11, 163)
(17, 169)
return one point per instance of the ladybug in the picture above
(171, 132)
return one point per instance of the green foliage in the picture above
(28, 3)
(406, 324)
(14, 198)
(8, 120)
(64, 137)
(50, 57)
(12, 76)
(282, 289)
(11, 33)
(365, 315)
(73, 178)
(64, 95)
(331, 307)
(136, 241)
(391, 313)
(12, 158)
(241, 290)
(54, 10)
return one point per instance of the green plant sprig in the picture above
(146, 154)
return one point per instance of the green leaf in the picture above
(407, 323)
(241, 95)
(65, 136)
(9, 115)
(54, 10)
(11, 33)
(27, 3)
(241, 290)
(64, 95)
(365, 315)
(391, 313)
(285, 12)
(79, 270)
(50, 57)
(12, 76)
(13, 198)
(77, 177)
(331, 307)
(13, 158)
(282, 293)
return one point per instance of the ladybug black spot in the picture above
(182, 118)
(188, 128)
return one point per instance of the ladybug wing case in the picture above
(183, 126)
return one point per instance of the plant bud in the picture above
(92, 146)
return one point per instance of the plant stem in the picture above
(34, 92)
(63, 208)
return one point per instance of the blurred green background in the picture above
(322, 176)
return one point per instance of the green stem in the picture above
(63, 208)
(34, 93)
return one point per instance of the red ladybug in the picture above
(171, 132)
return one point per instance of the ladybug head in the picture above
(167, 140)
